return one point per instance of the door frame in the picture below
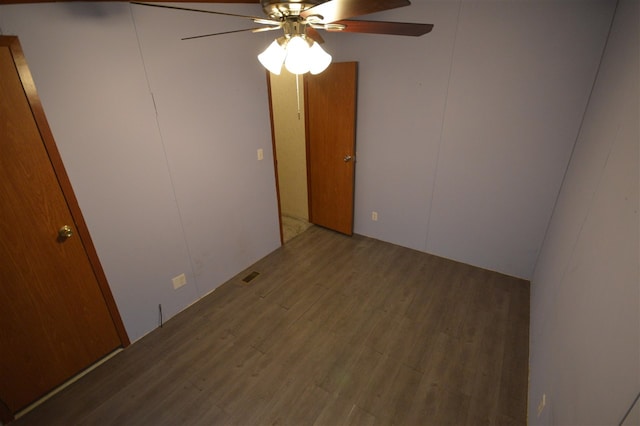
(307, 149)
(275, 153)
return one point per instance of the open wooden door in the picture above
(57, 314)
(330, 111)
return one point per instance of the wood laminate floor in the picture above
(335, 330)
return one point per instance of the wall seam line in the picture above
(575, 142)
(442, 123)
(166, 158)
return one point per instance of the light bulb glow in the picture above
(319, 60)
(299, 54)
(297, 60)
(273, 57)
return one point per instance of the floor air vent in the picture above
(251, 276)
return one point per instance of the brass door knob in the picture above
(65, 232)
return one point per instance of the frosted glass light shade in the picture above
(273, 57)
(297, 60)
(299, 54)
(319, 60)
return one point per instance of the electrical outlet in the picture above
(374, 216)
(541, 405)
(179, 281)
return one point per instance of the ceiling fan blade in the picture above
(335, 10)
(255, 18)
(315, 35)
(226, 32)
(381, 27)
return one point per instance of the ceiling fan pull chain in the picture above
(298, 93)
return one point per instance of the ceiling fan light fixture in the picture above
(319, 59)
(297, 18)
(273, 57)
(298, 55)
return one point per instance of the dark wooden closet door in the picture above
(55, 318)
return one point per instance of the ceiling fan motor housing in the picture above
(278, 9)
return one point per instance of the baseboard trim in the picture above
(66, 384)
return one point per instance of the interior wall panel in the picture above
(585, 293)
(163, 161)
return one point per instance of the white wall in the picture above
(463, 135)
(180, 194)
(585, 293)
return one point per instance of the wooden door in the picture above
(330, 111)
(57, 315)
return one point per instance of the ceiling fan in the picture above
(298, 48)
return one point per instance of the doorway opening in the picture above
(313, 126)
(290, 153)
